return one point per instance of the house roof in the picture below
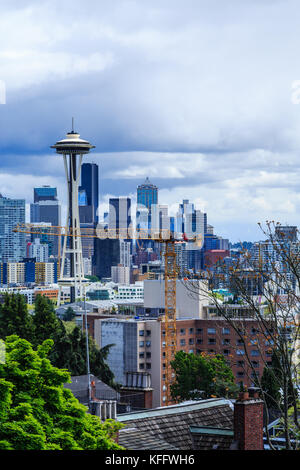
(79, 387)
(171, 425)
(207, 437)
(146, 441)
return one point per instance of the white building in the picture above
(39, 251)
(188, 305)
(132, 291)
(125, 258)
(120, 274)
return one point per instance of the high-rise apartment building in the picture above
(12, 244)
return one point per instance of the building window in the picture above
(199, 341)
(148, 344)
(141, 332)
(199, 331)
(255, 364)
(254, 352)
(240, 352)
(226, 331)
(240, 374)
(141, 366)
(191, 351)
(163, 332)
(211, 341)
(141, 355)
(211, 331)
(226, 341)
(148, 365)
(191, 340)
(240, 363)
(239, 342)
(148, 332)
(141, 344)
(182, 331)
(191, 330)
(182, 342)
(226, 352)
(148, 355)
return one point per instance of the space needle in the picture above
(72, 148)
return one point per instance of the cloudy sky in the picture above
(199, 95)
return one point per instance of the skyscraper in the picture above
(160, 219)
(12, 244)
(119, 213)
(45, 193)
(89, 193)
(147, 195)
(106, 254)
(88, 200)
(46, 208)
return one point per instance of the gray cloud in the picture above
(197, 95)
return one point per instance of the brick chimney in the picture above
(248, 420)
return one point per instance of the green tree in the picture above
(201, 376)
(93, 278)
(37, 412)
(14, 317)
(69, 350)
(69, 314)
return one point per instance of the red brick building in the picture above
(218, 337)
(211, 257)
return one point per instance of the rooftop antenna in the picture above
(72, 125)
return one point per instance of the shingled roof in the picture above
(172, 425)
(205, 438)
(146, 441)
(79, 387)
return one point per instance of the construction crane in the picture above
(170, 272)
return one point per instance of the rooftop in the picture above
(172, 425)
